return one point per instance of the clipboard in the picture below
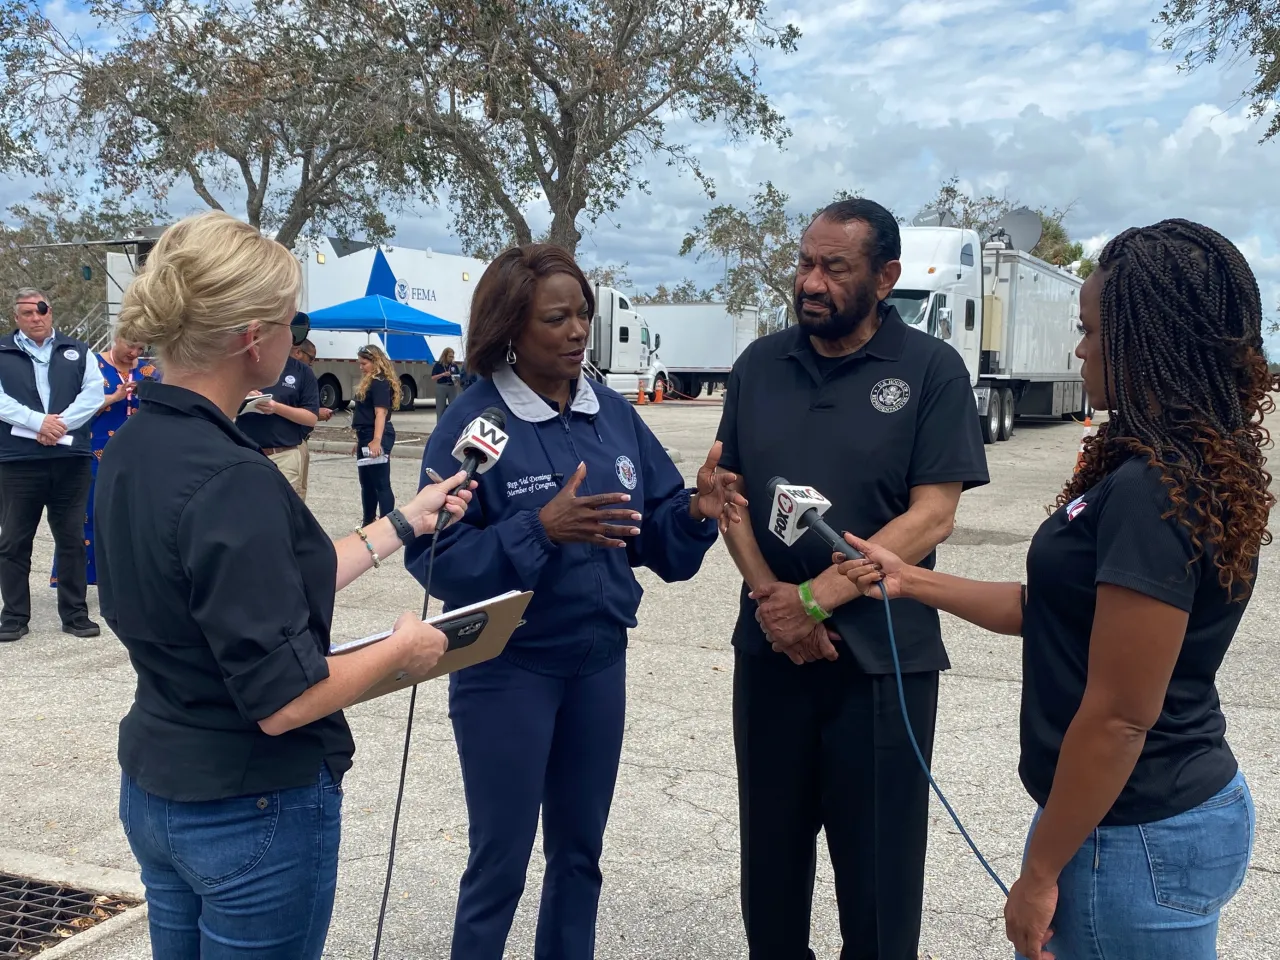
(477, 633)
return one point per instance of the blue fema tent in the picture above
(402, 326)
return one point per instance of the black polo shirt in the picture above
(364, 413)
(1121, 532)
(220, 584)
(297, 387)
(863, 430)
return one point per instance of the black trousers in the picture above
(823, 746)
(27, 489)
(376, 496)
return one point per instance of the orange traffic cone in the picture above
(657, 392)
(640, 397)
(1088, 432)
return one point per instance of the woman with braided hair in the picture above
(1136, 585)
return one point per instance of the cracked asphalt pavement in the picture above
(671, 852)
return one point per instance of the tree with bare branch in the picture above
(760, 246)
(541, 101)
(240, 100)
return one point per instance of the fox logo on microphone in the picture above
(790, 504)
(483, 439)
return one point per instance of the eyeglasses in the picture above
(299, 326)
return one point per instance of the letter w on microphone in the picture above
(483, 440)
(790, 504)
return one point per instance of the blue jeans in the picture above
(248, 877)
(530, 742)
(1154, 891)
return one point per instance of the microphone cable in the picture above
(404, 761)
(924, 765)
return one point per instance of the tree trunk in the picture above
(564, 230)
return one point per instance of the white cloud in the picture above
(1057, 103)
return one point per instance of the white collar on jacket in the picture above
(521, 399)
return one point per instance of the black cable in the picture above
(404, 766)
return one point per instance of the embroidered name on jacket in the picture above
(534, 483)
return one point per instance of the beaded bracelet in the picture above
(369, 546)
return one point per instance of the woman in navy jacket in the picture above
(583, 493)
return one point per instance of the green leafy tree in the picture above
(558, 104)
(240, 100)
(41, 247)
(1203, 31)
(686, 291)
(760, 246)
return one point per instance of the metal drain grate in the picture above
(36, 915)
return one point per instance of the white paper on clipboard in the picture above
(251, 404)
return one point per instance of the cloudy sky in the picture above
(1056, 102)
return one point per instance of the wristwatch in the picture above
(404, 529)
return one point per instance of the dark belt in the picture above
(272, 451)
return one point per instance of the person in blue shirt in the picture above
(583, 493)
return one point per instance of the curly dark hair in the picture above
(504, 296)
(1186, 370)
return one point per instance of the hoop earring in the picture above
(511, 354)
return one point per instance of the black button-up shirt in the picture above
(863, 430)
(220, 583)
(297, 387)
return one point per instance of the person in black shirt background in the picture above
(220, 584)
(377, 394)
(1135, 588)
(281, 426)
(448, 377)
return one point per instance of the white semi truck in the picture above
(1012, 317)
(697, 343)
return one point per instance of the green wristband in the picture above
(811, 605)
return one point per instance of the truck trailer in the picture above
(1013, 318)
(697, 343)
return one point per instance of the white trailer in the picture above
(698, 343)
(1013, 318)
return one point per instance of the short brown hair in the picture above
(504, 296)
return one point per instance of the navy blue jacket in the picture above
(585, 597)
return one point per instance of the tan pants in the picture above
(293, 464)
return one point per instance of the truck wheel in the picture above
(991, 422)
(330, 392)
(673, 384)
(408, 393)
(1007, 412)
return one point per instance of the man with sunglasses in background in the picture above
(282, 424)
(49, 392)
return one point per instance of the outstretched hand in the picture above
(715, 498)
(877, 566)
(569, 518)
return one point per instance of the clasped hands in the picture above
(787, 625)
(51, 430)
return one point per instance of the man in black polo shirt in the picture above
(879, 418)
(305, 353)
(49, 391)
(282, 425)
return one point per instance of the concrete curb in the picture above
(81, 876)
(411, 451)
(68, 873)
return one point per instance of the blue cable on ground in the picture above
(902, 702)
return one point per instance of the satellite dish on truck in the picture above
(1019, 229)
(933, 217)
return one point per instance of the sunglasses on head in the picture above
(299, 326)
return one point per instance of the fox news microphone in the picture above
(478, 448)
(797, 509)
